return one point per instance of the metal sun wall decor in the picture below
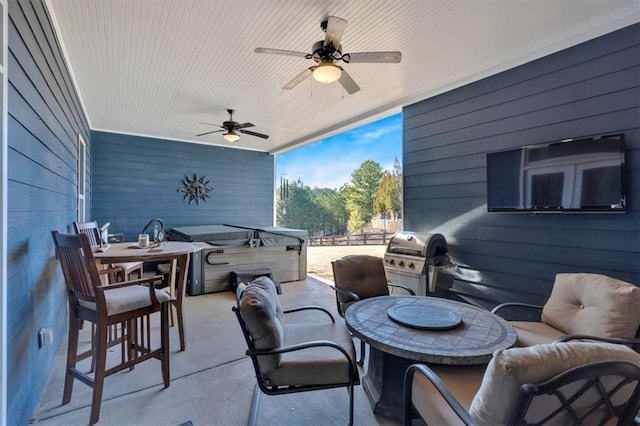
(195, 188)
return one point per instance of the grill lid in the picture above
(433, 246)
(410, 243)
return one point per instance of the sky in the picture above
(329, 163)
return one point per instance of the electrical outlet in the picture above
(45, 337)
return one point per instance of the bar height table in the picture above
(177, 253)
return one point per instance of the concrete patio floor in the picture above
(212, 382)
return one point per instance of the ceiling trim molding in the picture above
(65, 56)
(142, 135)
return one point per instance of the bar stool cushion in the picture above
(127, 299)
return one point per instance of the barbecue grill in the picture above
(415, 259)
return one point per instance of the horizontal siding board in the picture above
(499, 256)
(606, 74)
(468, 142)
(611, 44)
(31, 110)
(49, 51)
(601, 90)
(25, 170)
(129, 171)
(44, 121)
(615, 102)
(589, 89)
(40, 60)
(39, 85)
(33, 150)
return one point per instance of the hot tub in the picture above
(228, 248)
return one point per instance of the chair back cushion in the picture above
(264, 319)
(360, 274)
(593, 304)
(511, 368)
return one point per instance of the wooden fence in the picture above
(364, 238)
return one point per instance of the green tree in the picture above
(333, 205)
(298, 208)
(387, 200)
(361, 192)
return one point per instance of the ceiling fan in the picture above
(232, 128)
(329, 51)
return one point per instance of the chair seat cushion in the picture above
(511, 368)
(125, 299)
(317, 365)
(535, 333)
(462, 380)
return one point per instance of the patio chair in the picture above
(559, 383)
(92, 231)
(124, 308)
(357, 277)
(292, 357)
(579, 303)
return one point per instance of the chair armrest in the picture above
(307, 345)
(404, 287)
(347, 293)
(308, 308)
(634, 343)
(112, 271)
(526, 306)
(439, 385)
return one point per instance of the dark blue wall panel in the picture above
(136, 179)
(589, 89)
(43, 126)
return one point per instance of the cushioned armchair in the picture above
(293, 357)
(559, 383)
(589, 304)
(357, 277)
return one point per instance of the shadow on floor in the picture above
(212, 382)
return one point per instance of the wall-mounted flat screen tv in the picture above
(581, 175)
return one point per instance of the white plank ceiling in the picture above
(159, 68)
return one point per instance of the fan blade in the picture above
(347, 82)
(372, 57)
(208, 133)
(298, 79)
(209, 124)
(282, 52)
(245, 125)
(249, 132)
(335, 29)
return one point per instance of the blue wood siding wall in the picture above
(44, 121)
(589, 89)
(136, 179)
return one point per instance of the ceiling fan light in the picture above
(231, 136)
(327, 72)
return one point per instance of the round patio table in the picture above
(461, 334)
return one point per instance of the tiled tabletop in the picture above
(472, 342)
